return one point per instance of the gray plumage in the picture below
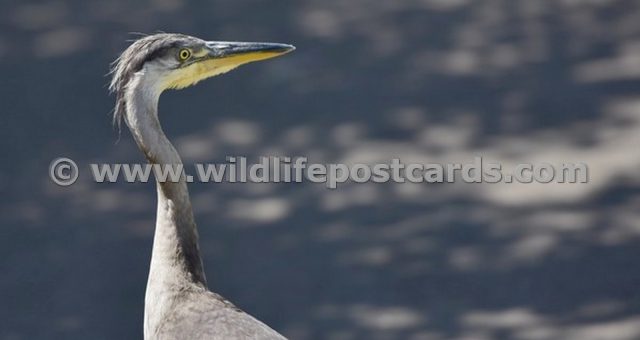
(178, 304)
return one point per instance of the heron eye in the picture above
(184, 54)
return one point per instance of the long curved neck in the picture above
(175, 259)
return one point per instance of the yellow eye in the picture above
(184, 54)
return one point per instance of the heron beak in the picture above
(218, 57)
(245, 52)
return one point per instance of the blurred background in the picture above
(420, 80)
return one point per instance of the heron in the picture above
(178, 303)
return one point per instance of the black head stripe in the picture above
(134, 57)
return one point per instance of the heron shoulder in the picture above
(207, 315)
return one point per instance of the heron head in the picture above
(175, 61)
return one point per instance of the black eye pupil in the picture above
(184, 54)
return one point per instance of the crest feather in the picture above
(133, 59)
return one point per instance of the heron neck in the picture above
(175, 259)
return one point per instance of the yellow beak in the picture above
(221, 57)
(245, 52)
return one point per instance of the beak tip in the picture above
(286, 48)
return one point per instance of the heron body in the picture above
(178, 304)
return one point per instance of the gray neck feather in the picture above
(176, 264)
